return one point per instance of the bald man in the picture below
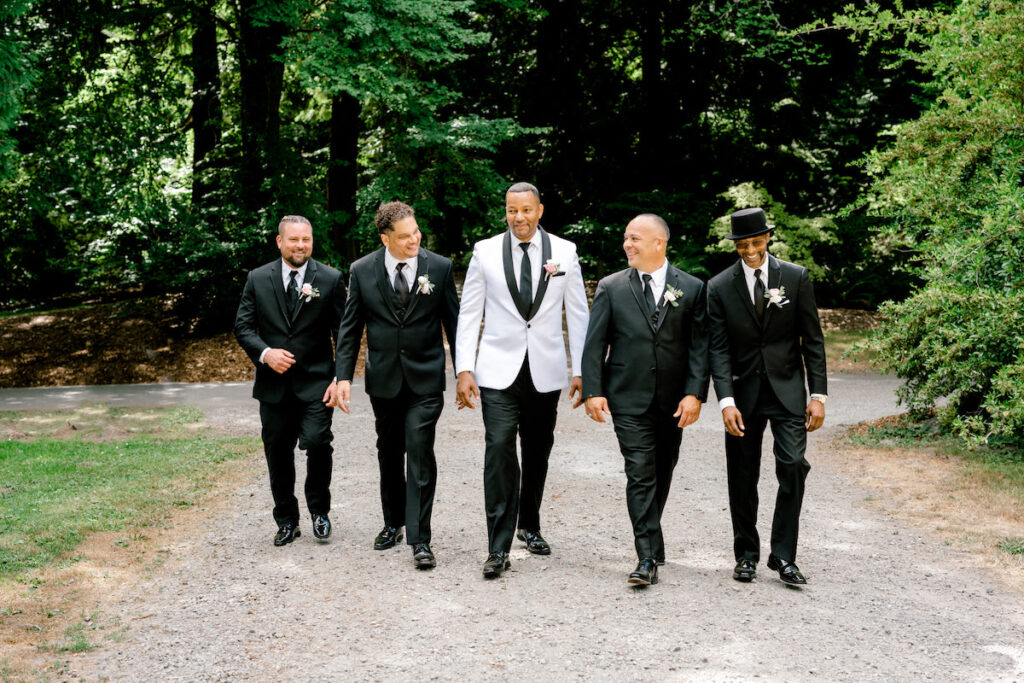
(645, 363)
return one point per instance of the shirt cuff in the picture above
(264, 353)
(819, 397)
(726, 402)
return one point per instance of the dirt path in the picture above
(885, 602)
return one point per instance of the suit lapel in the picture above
(513, 289)
(638, 296)
(309, 279)
(277, 286)
(774, 275)
(739, 282)
(671, 278)
(385, 287)
(542, 286)
(421, 269)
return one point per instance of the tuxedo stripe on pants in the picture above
(406, 426)
(286, 424)
(532, 414)
(743, 464)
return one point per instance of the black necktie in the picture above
(525, 277)
(649, 295)
(401, 286)
(292, 292)
(759, 300)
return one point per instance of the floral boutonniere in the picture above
(309, 292)
(551, 269)
(672, 295)
(424, 284)
(777, 296)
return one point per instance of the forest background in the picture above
(149, 147)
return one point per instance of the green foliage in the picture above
(950, 187)
(16, 77)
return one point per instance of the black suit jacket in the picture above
(397, 347)
(262, 322)
(637, 364)
(788, 340)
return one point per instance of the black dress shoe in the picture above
(645, 574)
(496, 563)
(286, 534)
(387, 538)
(788, 571)
(422, 557)
(535, 543)
(321, 527)
(745, 571)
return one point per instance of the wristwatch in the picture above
(819, 397)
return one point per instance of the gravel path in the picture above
(883, 603)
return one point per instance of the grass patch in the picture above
(118, 470)
(1014, 546)
(998, 467)
(845, 351)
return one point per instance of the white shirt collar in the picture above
(286, 270)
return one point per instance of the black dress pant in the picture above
(286, 423)
(743, 464)
(405, 442)
(519, 409)
(650, 447)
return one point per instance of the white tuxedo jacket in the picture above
(490, 292)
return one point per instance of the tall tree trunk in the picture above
(343, 173)
(654, 126)
(206, 109)
(261, 78)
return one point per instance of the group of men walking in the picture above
(643, 354)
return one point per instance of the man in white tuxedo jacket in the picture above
(519, 282)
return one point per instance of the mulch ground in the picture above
(145, 341)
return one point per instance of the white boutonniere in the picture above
(424, 284)
(672, 295)
(777, 296)
(309, 292)
(551, 269)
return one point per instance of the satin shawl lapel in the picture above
(638, 294)
(421, 269)
(740, 284)
(774, 275)
(542, 287)
(671, 278)
(310, 280)
(277, 286)
(385, 287)
(513, 288)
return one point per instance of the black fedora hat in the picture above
(748, 223)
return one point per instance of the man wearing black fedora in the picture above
(765, 344)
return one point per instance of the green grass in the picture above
(55, 491)
(848, 345)
(1014, 546)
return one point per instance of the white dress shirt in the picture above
(409, 272)
(657, 280)
(536, 266)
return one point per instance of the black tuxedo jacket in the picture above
(636, 363)
(783, 344)
(262, 321)
(397, 347)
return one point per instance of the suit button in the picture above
(402, 352)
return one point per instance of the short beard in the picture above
(297, 260)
